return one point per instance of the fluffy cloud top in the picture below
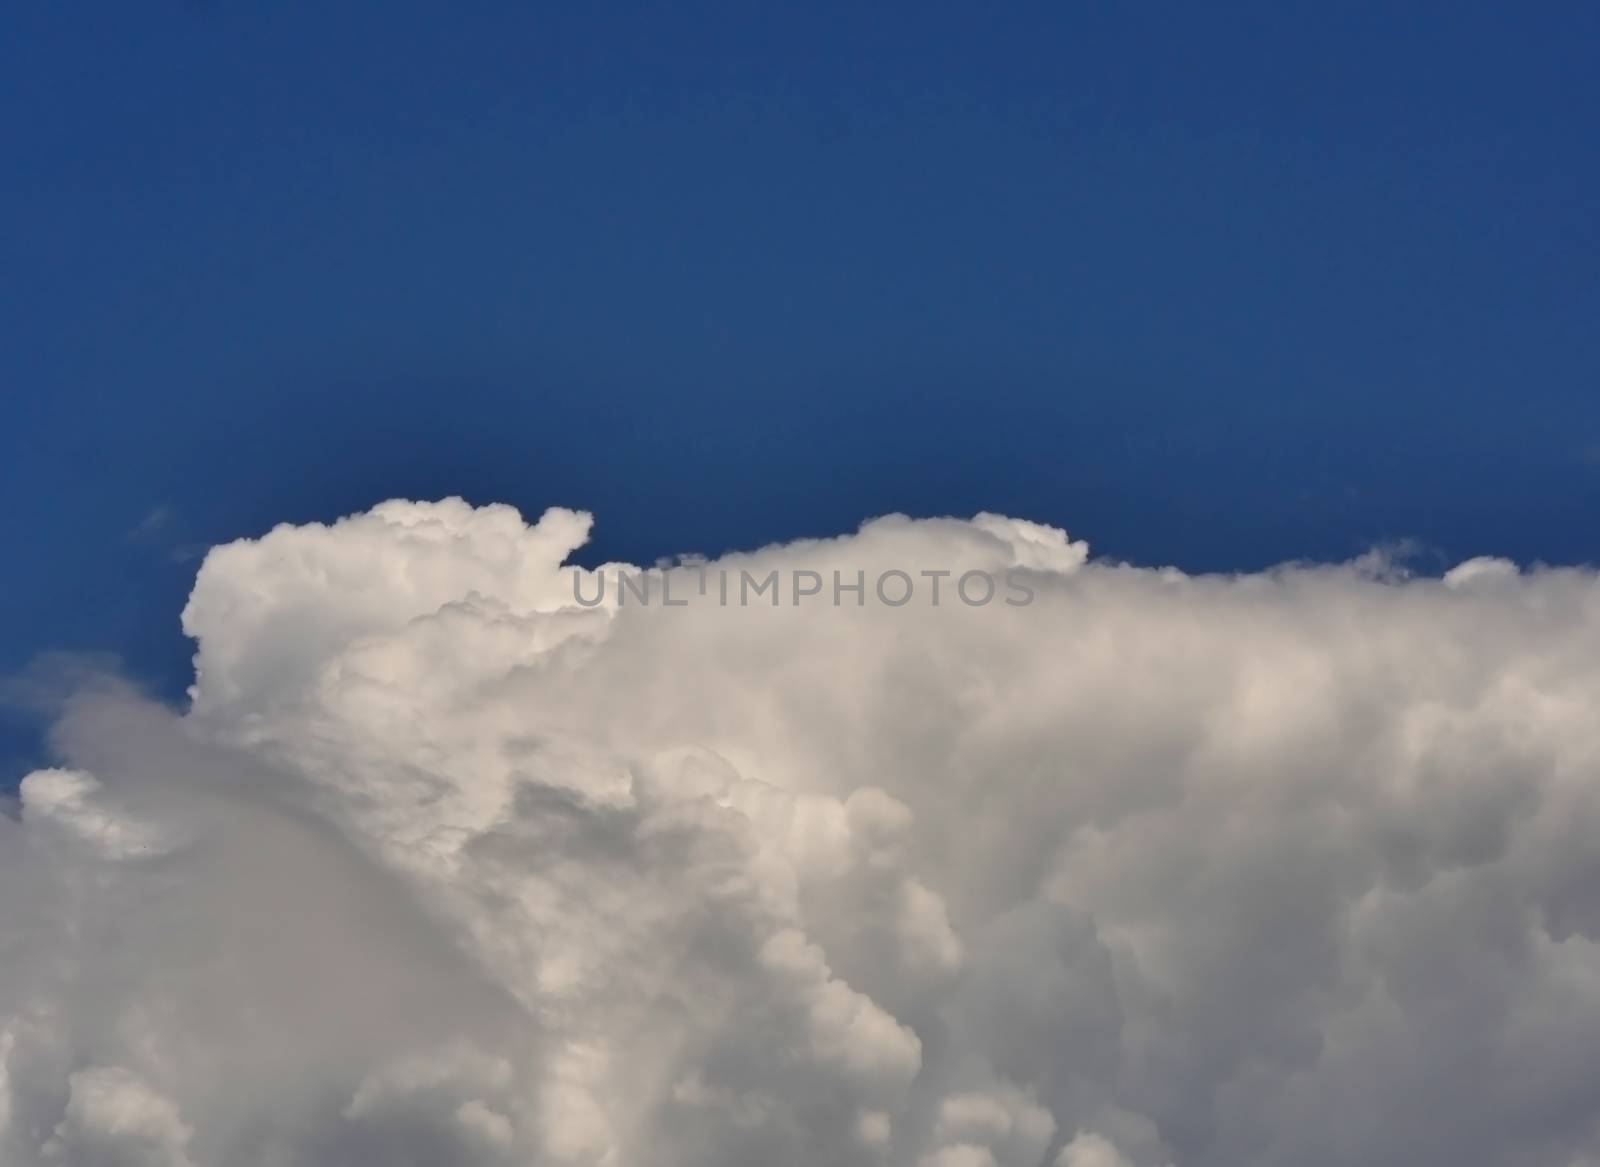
(441, 866)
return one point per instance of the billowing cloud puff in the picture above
(453, 861)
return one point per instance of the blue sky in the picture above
(1216, 287)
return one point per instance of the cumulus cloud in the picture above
(1090, 1150)
(113, 1119)
(443, 866)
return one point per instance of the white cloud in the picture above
(1090, 1150)
(113, 1119)
(1300, 867)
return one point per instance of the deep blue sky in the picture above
(1216, 285)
